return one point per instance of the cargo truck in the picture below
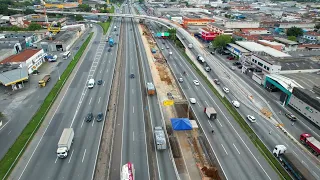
(111, 42)
(151, 90)
(44, 80)
(65, 142)
(160, 138)
(127, 172)
(210, 112)
(292, 164)
(311, 142)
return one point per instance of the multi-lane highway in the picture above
(40, 160)
(235, 153)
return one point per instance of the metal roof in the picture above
(285, 82)
(13, 73)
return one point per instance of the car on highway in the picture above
(170, 53)
(100, 82)
(89, 117)
(180, 80)
(236, 103)
(196, 82)
(226, 90)
(291, 116)
(251, 118)
(232, 68)
(193, 100)
(100, 117)
(216, 81)
(109, 50)
(212, 52)
(162, 48)
(167, 47)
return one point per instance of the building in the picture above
(207, 35)
(195, 21)
(41, 19)
(13, 74)
(307, 103)
(272, 44)
(18, 20)
(305, 26)
(312, 36)
(219, 29)
(33, 59)
(241, 24)
(255, 31)
(289, 45)
(237, 50)
(28, 37)
(15, 44)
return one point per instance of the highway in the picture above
(133, 136)
(265, 129)
(39, 160)
(237, 156)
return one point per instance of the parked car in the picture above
(100, 117)
(232, 68)
(226, 90)
(230, 57)
(291, 116)
(196, 82)
(239, 66)
(251, 118)
(193, 100)
(89, 117)
(216, 81)
(236, 63)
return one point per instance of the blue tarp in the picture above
(180, 124)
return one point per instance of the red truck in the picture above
(311, 142)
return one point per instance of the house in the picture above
(18, 20)
(312, 36)
(219, 29)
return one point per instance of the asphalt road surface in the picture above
(40, 160)
(236, 154)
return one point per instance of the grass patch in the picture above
(9, 161)
(247, 129)
(105, 26)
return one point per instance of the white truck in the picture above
(65, 142)
(115, 28)
(91, 25)
(160, 138)
(210, 112)
(127, 172)
(190, 46)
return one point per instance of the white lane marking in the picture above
(93, 121)
(107, 70)
(133, 135)
(31, 106)
(224, 149)
(103, 83)
(56, 160)
(199, 105)
(133, 109)
(9, 132)
(219, 122)
(99, 100)
(101, 71)
(196, 87)
(82, 122)
(209, 123)
(314, 173)
(71, 156)
(84, 154)
(132, 91)
(236, 148)
(206, 103)
(109, 61)
(90, 101)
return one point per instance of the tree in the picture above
(29, 11)
(317, 26)
(292, 38)
(79, 17)
(221, 41)
(294, 31)
(34, 26)
(172, 33)
(84, 7)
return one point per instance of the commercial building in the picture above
(14, 44)
(28, 37)
(305, 26)
(255, 31)
(312, 36)
(237, 50)
(241, 24)
(207, 35)
(289, 45)
(272, 44)
(219, 29)
(195, 21)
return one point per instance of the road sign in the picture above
(168, 102)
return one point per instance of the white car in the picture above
(226, 90)
(180, 80)
(236, 104)
(196, 82)
(170, 53)
(251, 118)
(162, 48)
(193, 100)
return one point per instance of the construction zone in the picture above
(192, 154)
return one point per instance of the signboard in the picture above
(168, 102)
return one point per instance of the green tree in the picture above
(79, 17)
(317, 26)
(141, 1)
(221, 41)
(292, 38)
(29, 11)
(59, 24)
(84, 7)
(172, 33)
(294, 31)
(34, 26)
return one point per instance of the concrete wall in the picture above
(241, 24)
(299, 71)
(301, 107)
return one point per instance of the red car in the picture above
(230, 58)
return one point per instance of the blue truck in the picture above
(51, 58)
(111, 42)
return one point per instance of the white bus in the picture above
(66, 55)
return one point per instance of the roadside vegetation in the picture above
(246, 128)
(105, 26)
(11, 158)
(32, 27)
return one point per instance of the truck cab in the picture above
(62, 152)
(279, 149)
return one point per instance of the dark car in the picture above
(100, 82)
(89, 117)
(212, 52)
(131, 75)
(230, 57)
(239, 66)
(291, 116)
(236, 63)
(100, 117)
(109, 50)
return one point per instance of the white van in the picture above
(91, 83)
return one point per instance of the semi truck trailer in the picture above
(312, 143)
(65, 142)
(160, 138)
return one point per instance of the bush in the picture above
(11, 158)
